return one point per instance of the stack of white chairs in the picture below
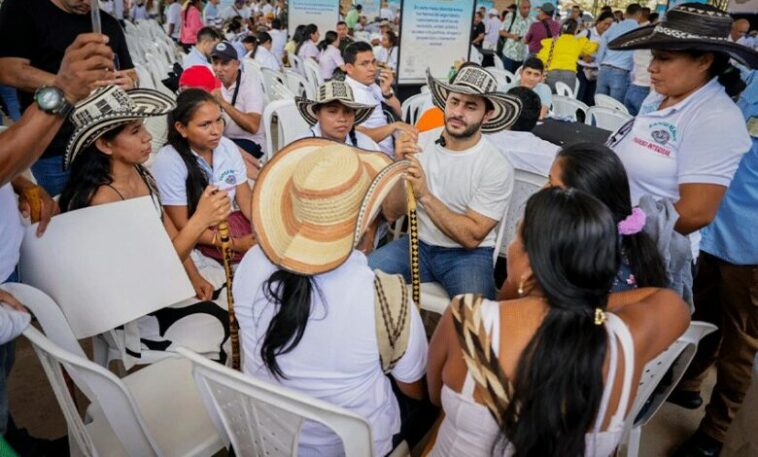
(312, 72)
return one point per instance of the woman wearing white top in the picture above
(554, 384)
(334, 115)
(305, 296)
(387, 52)
(689, 136)
(330, 58)
(306, 48)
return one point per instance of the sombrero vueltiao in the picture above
(472, 79)
(315, 198)
(689, 26)
(329, 92)
(108, 108)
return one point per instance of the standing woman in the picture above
(387, 52)
(306, 47)
(192, 22)
(689, 136)
(198, 155)
(330, 58)
(561, 53)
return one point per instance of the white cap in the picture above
(494, 12)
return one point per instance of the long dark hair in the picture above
(90, 170)
(595, 169)
(728, 75)
(571, 240)
(329, 38)
(291, 294)
(187, 104)
(309, 30)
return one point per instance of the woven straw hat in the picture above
(329, 92)
(314, 200)
(689, 26)
(108, 108)
(472, 79)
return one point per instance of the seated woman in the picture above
(334, 115)
(310, 311)
(306, 47)
(595, 169)
(198, 155)
(554, 351)
(106, 154)
(388, 50)
(330, 58)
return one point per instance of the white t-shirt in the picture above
(278, 42)
(388, 56)
(173, 16)
(363, 141)
(479, 179)
(492, 31)
(249, 100)
(232, 11)
(699, 140)
(387, 13)
(11, 232)
(337, 359)
(640, 75)
(170, 172)
(525, 150)
(267, 60)
(372, 96)
(308, 50)
(330, 60)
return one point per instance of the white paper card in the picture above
(105, 265)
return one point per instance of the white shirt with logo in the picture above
(228, 171)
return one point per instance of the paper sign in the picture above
(324, 13)
(105, 265)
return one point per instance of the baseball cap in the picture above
(547, 8)
(224, 51)
(199, 77)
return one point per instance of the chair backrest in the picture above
(498, 63)
(269, 76)
(525, 184)
(312, 72)
(610, 102)
(145, 77)
(569, 107)
(677, 357)
(260, 418)
(563, 89)
(278, 91)
(298, 85)
(296, 62)
(252, 68)
(291, 125)
(411, 108)
(475, 56)
(607, 118)
(102, 388)
(504, 77)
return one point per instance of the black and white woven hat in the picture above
(472, 79)
(329, 92)
(689, 26)
(108, 108)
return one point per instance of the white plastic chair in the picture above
(606, 118)
(412, 106)
(259, 418)
(269, 76)
(291, 125)
(498, 62)
(563, 89)
(312, 72)
(298, 85)
(525, 184)
(568, 107)
(678, 357)
(129, 416)
(504, 77)
(145, 78)
(610, 102)
(475, 56)
(296, 63)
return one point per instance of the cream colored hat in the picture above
(314, 200)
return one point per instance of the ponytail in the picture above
(291, 295)
(722, 69)
(353, 137)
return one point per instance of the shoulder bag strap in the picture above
(237, 87)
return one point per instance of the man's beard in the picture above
(468, 132)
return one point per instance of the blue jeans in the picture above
(50, 175)
(613, 82)
(634, 97)
(10, 100)
(7, 357)
(458, 270)
(510, 64)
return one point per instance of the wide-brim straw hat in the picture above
(108, 108)
(329, 92)
(472, 79)
(315, 198)
(689, 26)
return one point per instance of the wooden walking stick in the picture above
(226, 250)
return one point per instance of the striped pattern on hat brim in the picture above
(307, 109)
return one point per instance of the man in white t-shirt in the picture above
(462, 185)
(278, 39)
(492, 28)
(173, 13)
(523, 149)
(360, 65)
(241, 98)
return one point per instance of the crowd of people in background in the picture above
(628, 241)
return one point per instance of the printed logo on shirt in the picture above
(663, 132)
(228, 177)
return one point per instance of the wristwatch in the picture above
(389, 95)
(51, 100)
